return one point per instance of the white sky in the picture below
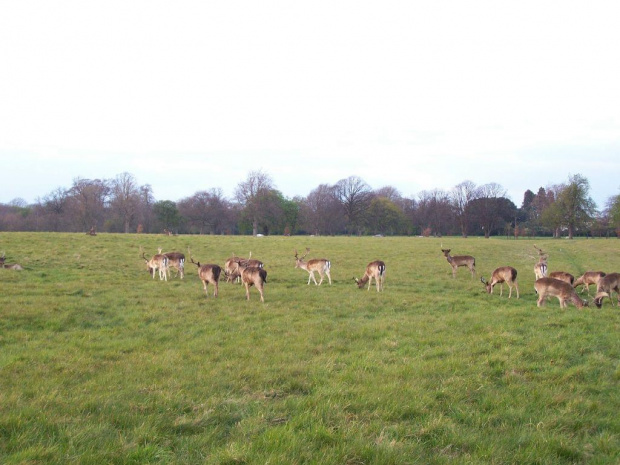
(191, 95)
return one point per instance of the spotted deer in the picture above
(589, 277)
(460, 260)
(374, 270)
(610, 283)
(176, 261)
(252, 276)
(230, 266)
(159, 262)
(504, 274)
(551, 287)
(562, 276)
(208, 274)
(321, 265)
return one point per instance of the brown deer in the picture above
(504, 274)
(610, 283)
(562, 276)
(176, 261)
(320, 265)
(375, 270)
(252, 276)
(589, 277)
(208, 274)
(540, 269)
(9, 266)
(231, 265)
(460, 260)
(159, 262)
(551, 287)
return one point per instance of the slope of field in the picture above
(100, 363)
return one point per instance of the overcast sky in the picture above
(192, 95)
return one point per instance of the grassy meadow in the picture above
(99, 363)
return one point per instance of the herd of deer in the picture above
(558, 284)
(251, 272)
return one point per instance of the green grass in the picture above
(99, 363)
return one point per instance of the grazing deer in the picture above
(589, 277)
(562, 276)
(9, 266)
(551, 287)
(460, 260)
(320, 265)
(208, 274)
(230, 266)
(158, 262)
(610, 283)
(252, 276)
(375, 270)
(176, 260)
(504, 274)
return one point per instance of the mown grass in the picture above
(99, 363)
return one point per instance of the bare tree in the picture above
(125, 199)
(461, 195)
(88, 200)
(207, 211)
(355, 196)
(249, 194)
(434, 211)
(321, 211)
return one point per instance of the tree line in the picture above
(347, 207)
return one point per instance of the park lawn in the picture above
(100, 363)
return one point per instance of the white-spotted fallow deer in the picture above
(551, 287)
(176, 261)
(375, 270)
(9, 266)
(460, 260)
(610, 283)
(504, 274)
(321, 265)
(563, 276)
(252, 276)
(589, 277)
(159, 262)
(208, 274)
(231, 265)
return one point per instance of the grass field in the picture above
(99, 363)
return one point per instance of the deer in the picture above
(208, 274)
(589, 277)
(562, 276)
(9, 266)
(375, 270)
(460, 260)
(320, 265)
(252, 276)
(176, 260)
(230, 266)
(158, 262)
(606, 285)
(551, 287)
(501, 275)
(540, 269)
